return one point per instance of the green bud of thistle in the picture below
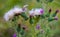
(22, 32)
(49, 12)
(24, 15)
(38, 0)
(50, 19)
(31, 20)
(55, 13)
(18, 28)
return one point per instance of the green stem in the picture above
(18, 34)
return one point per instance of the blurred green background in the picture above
(5, 5)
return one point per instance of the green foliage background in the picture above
(5, 5)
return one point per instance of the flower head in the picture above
(14, 35)
(9, 15)
(31, 13)
(36, 12)
(38, 26)
(14, 11)
(41, 11)
(18, 10)
(56, 18)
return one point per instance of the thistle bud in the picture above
(55, 13)
(14, 35)
(24, 15)
(22, 32)
(55, 18)
(31, 20)
(41, 11)
(50, 19)
(37, 0)
(18, 28)
(49, 12)
(38, 27)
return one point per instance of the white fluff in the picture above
(10, 14)
(17, 10)
(35, 11)
(31, 12)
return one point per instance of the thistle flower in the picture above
(9, 15)
(36, 12)
(31, 13)
(39, 11)
(55, 18)
(14, 11)
(14, 35)
(20, 10)
(17, 10)
(38, 26)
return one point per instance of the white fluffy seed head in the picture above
(17, 10)
(36, 11)
(9, 15)
(6, 18)
(39, 11)
(31, 13)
